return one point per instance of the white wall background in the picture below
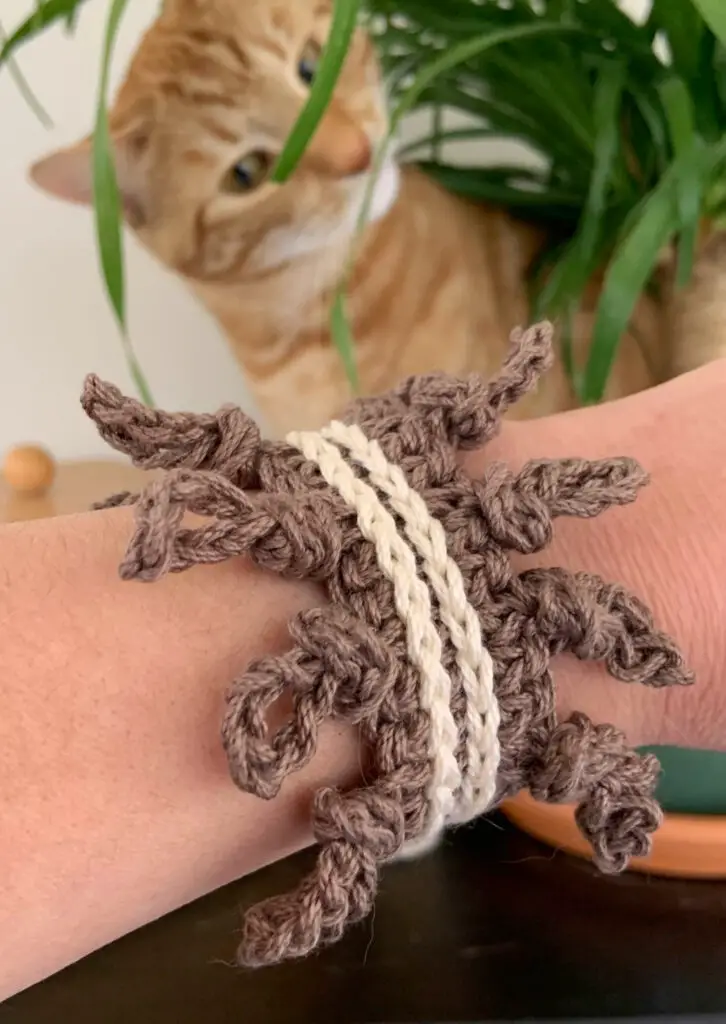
(55, 323)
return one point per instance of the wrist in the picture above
(666, 547)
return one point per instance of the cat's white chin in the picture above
(385, 191)
(320, 235)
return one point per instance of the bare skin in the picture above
(115, 801)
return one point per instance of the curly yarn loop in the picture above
(228, 442)
(431, 643)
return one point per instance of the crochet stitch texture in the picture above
(431, 644)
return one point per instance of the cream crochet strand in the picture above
(398, 563)
(427, 536)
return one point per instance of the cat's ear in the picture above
(67, 174)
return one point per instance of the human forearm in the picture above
(116, 803)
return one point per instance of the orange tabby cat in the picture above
(439, 283)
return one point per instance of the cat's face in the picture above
(209, 99)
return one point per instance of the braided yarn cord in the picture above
(431, 643)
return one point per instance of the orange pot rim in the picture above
(685, 846)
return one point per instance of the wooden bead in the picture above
(29, 469)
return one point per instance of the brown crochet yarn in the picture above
(353, 660)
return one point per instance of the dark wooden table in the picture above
(493, 927)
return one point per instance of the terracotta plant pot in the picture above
(692, 841)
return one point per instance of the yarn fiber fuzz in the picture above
(431, 644)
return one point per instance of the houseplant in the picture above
(626, 121)
(629, 139)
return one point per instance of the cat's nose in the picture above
(360, 157)
(339, 148)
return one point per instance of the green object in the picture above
(345, 19)
(107, 206)
(714, 13)
(43, 17)
(424, 79)
(106, 201)
(23, 86)
(693, 781)
(630, 144)
(344, 341)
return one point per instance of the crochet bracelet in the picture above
(431, 644)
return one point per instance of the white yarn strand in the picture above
(398, 563)
(427, 535)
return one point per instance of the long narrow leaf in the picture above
(345, 19)
(648, 136)
(649, 226)
(425, 79)
(679, 111)
(493, 186)
(438, 137)
(627, 276)
(568, 280)
(41, 19)
(683, 26)
(607, 105)
(344, 340)
(465, 51)
(107, 205)
(714, 14)
(23, 86)
(510, 120)
(678, 106)
(690, 199)
(692, 45)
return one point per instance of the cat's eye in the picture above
(249, 172)
(307, 65)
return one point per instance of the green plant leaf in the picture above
(714, 14)
(23, 86)
(692, 46)
(439, 137)
(107, 204)
(345, 19)
(683, 25)
(650, 226)
(648, 140)
(690, 188)
(606, 115)
(344, 340)
(627, 275)
(437, 131)
(463, 52)
(678, 106)
(503, 186)
(690, 194)
(425, 79)
(510, 121)
(41, 19)
(561, 294)
(560, 97)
